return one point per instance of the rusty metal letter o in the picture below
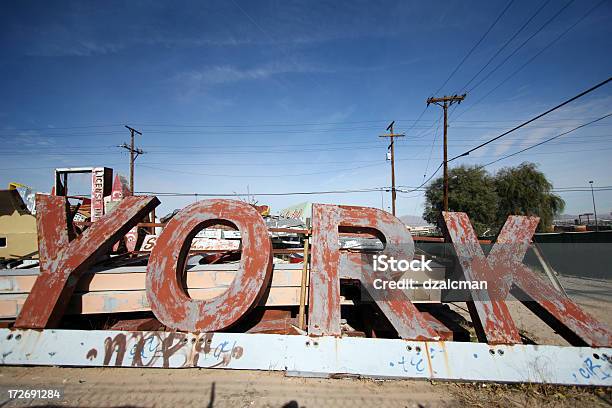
(166, 296)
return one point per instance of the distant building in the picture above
(18, 236)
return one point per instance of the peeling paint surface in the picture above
(165, 293)
(62, 261)
(505, 272)
(329, 265)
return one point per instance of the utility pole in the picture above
(391, 147)
(445, 102)
(134, 153)
(594, 209)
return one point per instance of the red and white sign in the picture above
(198, 244)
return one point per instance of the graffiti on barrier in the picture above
(155, 349)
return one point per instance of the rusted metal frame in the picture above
(288, 250)
(139, 225)
(290, 230)
(208, 251)
(418, 238)
(505, 273)
(329, 265)
(298, 355)
(166, 293)
(303, 286)
(163, 224)
(62, 262)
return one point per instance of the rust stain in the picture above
(165, 293)
(327, 264)
(504, 271)
(62, 262)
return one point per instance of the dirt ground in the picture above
(143, 387)
(220, 388)
(138, 387)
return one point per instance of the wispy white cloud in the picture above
(226, 73)
(26, 138)
(192, 82)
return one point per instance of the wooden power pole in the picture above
(134, 153)
(392, 136)
(445, 102)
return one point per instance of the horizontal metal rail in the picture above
(310, 356)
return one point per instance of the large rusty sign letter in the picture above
(165, 293)
(62, 261)
(329, 265)
(505, 273)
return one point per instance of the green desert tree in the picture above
(524, 190)
(471, 190)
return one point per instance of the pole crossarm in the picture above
(133, 130)
(393, 135)
(446, 99)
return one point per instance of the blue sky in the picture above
(284, 96)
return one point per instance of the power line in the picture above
(534, 118)
(550, 20)
(475, 46)
(460, 64)
(172, 194)
(503, 47)
(258, 176)
(571, 151)
(585, 190)
(433, 142)
(430, 124)
(203, 151)
(430, 129)
(426, 181)
(530, 60)
(578, 188)
(63, 128)
(267, 34)
(230, 154)
(265, 148)
(417, 119)
(547, 140)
